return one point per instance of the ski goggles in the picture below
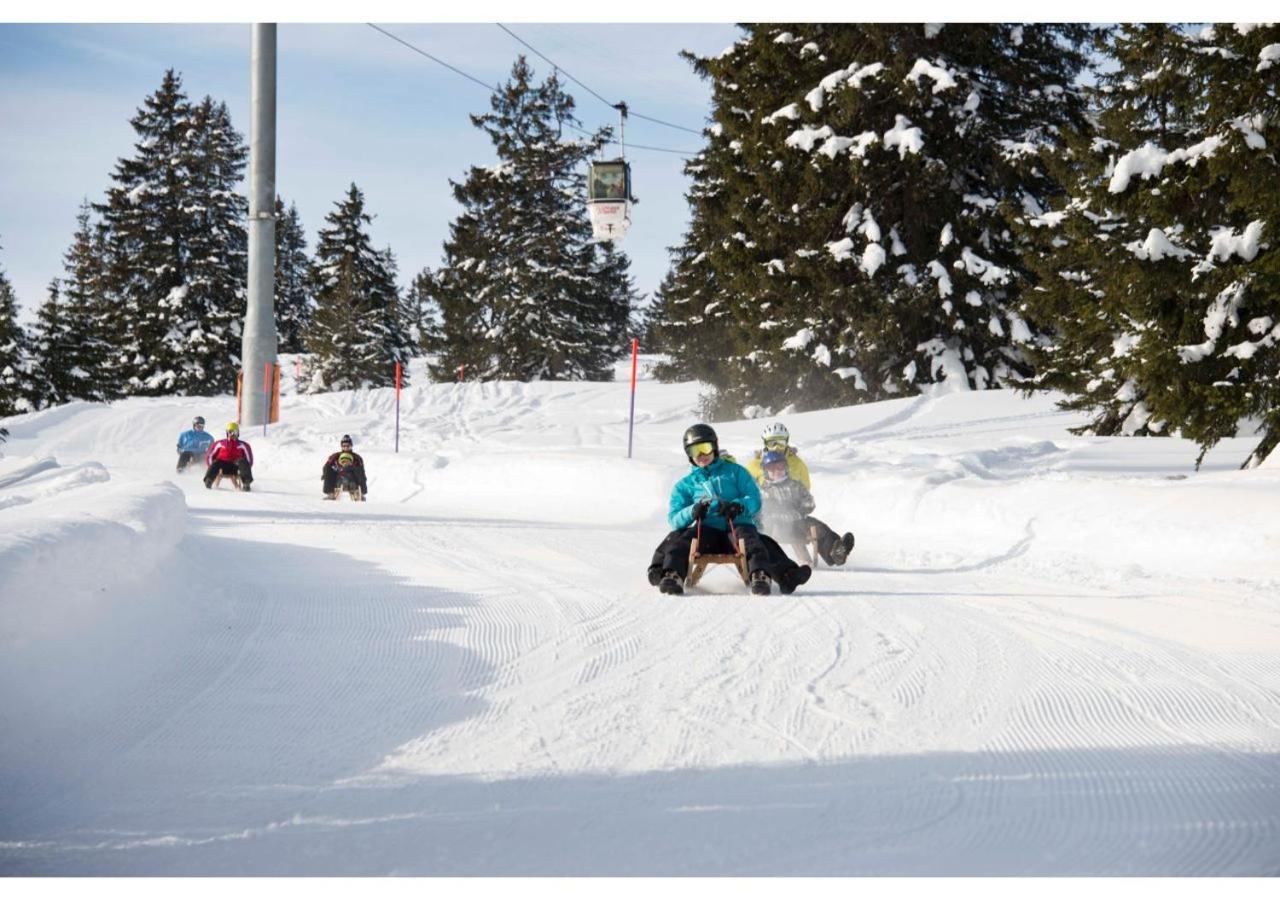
(696, 450)
(776, 444)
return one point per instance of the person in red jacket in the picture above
(230, 456)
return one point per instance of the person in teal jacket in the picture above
(715, 492)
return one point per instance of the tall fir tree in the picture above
(355, 336)
(86, 314)
(850, 235)
(294, 305)
(176, 248)
(421, 313)
(1161, 272)
(16, 387)
(216, 276)
(523, 292)
(51, 348)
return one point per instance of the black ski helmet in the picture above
(696, 434)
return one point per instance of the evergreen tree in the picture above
(850, 235)
(1158, 273)
(16, 388)
(217, 252)
(421, 314)
(50, 349)
(355, 335)
(176, 248)
(86, 315)
(293, 302)
(523, 292)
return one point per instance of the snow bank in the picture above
(68, 535)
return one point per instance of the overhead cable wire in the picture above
(587, 89)
(487, 87)
(491, 88)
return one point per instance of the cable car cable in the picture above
(487, 87)
(587, 89)
(491, 88)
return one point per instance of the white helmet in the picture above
(776, 432)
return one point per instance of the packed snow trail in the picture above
(1048, 655)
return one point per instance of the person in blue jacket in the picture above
(193, 443)
(715, 492)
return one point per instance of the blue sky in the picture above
(353, 105)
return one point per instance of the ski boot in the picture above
(671, 583)
(760, 583)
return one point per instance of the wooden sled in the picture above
(354, 493)
(698, 562)
(806, 551)
(233, 480)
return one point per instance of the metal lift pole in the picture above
(258, 344)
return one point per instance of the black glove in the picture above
(730, 509)
(700, 509)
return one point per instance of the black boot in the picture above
(840, 550)
(793, 579)
(671, 583)
(655, 575)
(760, 582)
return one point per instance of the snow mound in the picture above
(69, 534)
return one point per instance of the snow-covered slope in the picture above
(1048, 654)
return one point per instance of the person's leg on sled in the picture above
(329, 483)
(225, 467)
(185, 458)
(245, 472)
(766, 555)
(832, 547)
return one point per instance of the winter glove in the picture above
(730, 509)
(700, 509)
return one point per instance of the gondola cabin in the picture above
(609, 199)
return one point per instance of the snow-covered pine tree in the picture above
(421, 314)
(849, 236)
(176, 247)
(86, 315)
(50, 348)
(16, 388)
(352, 337)
(293, 302)
(217, 248)
(1163, 283)
(523, 293)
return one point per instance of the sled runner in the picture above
(805, 548)
(233, 480)
(698, 562)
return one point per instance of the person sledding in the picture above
(343, 468)
(193, 443)
(230, 456)
(716, 499)
(784, 478)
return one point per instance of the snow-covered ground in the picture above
(1049, 654)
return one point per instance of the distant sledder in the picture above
(784, 485)
(230, 457)
(712, 511)
(193, 442)
(343, 473)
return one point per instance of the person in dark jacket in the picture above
(788, 503)
(230, 456)
(716, 492)
(334, 465)
(193, 442)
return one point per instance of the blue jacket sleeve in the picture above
(680, 508)
(750, 492)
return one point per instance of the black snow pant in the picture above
(826, 538)
(186, 458)
(240, 468)
(330, 482)
(763, 552)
